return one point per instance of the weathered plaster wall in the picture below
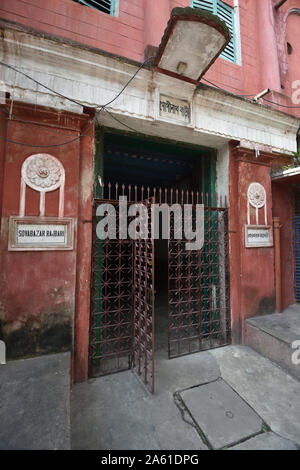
(293, 58)
(252, 269)
(287, 26)
(257, 264)
(141, 23)
(38, 288)
(283, 208)
(222, 168)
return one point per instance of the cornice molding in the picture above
(93, 79)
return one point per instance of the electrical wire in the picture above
(120, 122)
(103, 107)
(39, 83)
(129, 81)
(254, 94)
(51, 145)
(99, 108)
(71, 99)
(23, 121)
(216, 86)
(281, 105)
(127, 84)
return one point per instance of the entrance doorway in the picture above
(150, 294)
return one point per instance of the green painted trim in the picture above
(113, 5)
(212, 6)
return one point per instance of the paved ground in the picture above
(230, 398)
(226, 398)
(35, 404)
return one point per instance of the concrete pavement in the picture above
(35, 403)
(254, 405)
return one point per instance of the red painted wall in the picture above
(251, 269)
(38, 288)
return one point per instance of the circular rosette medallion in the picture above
(256, 195)
(43, 172)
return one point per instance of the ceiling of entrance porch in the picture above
(161, 129)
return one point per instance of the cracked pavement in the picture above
(255, 405)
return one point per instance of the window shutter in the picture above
(204, 5)
(225, 13)
(106, 6)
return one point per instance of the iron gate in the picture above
(143, 304)
(111, 300)
(199, 300)
(122, 297)
(296, 223)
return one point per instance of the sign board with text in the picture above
(257, 236)
(174, 109)
(40, 233)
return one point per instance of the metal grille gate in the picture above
(111, 301)
(122, 297)
(296, 223)
(143, 305)
(296, 230)
(199, 307)
(122, 300)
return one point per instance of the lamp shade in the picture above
(192, 41)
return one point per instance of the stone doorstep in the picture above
(284, 326)
(273, 335)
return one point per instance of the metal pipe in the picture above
(262, 94)
(277, 226)
(279, 4)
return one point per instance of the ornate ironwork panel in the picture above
(199, 310)
(111, 301)
(143, 286)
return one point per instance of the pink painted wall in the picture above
(293, 60)
(287, 27)
(141, 22)
(122, 35)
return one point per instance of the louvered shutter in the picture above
(107, 6)
(226, 14)
(204, 5)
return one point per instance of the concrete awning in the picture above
(291, 176)
(192, 41)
